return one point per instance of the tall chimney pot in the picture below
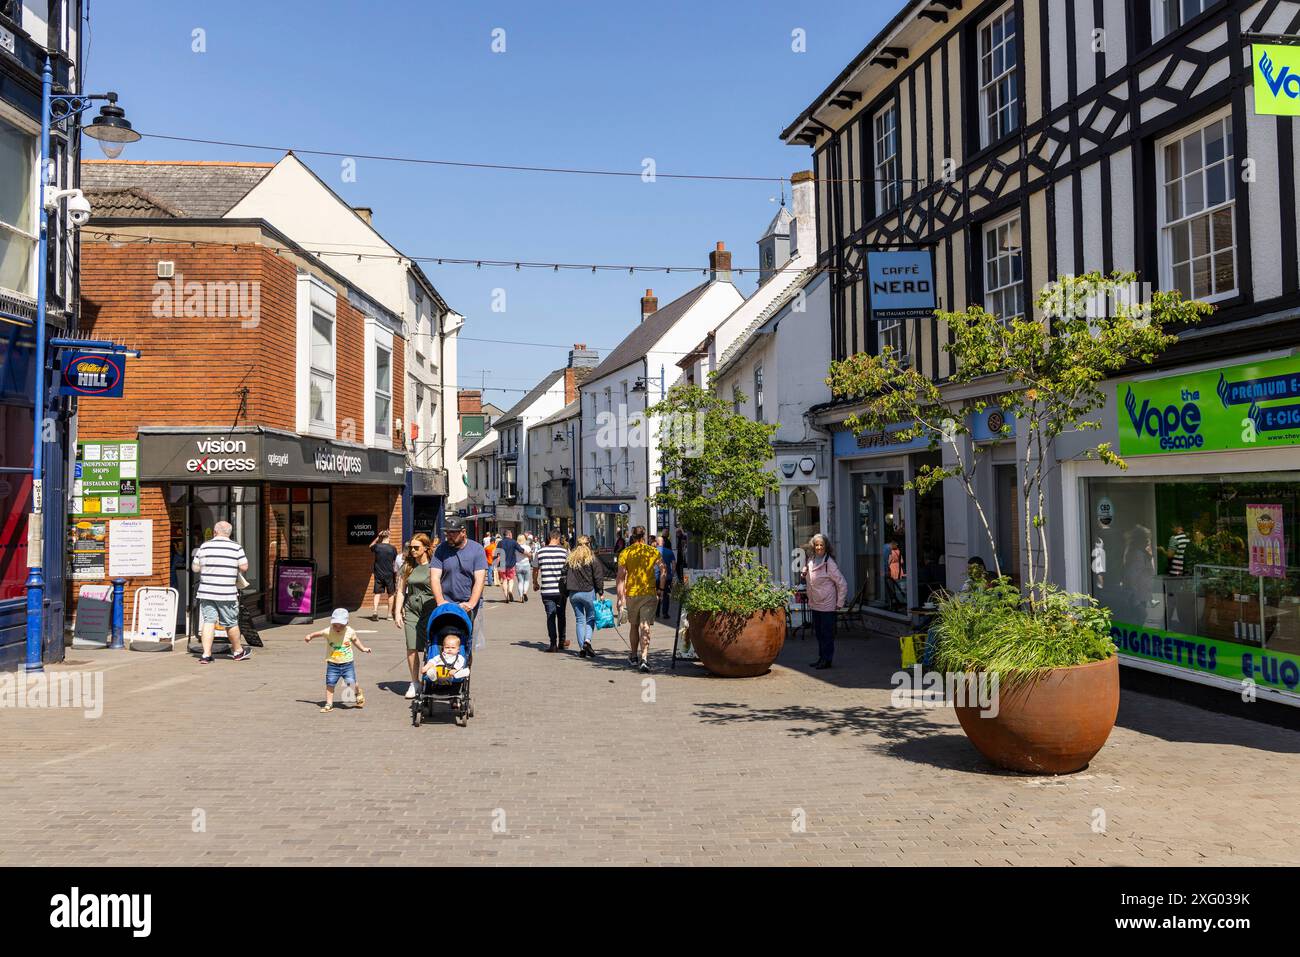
(720, 264)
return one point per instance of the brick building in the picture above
(256, 398)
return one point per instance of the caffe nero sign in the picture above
(1242, 407)
(265, 456)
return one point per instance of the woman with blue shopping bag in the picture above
(585, 578)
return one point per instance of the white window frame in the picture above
(1166, 228)
(886, 166)
(890, 332)
(31, 198)
(1162, 26)
(384, 428)
(989, 88)
(315, 297)
(758, 392)
(993, 254)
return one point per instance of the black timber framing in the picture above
(935, 211)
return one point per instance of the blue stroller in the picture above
(435, 624)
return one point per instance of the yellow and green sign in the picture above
(1255, 406)
(1277, 79)
(1210, 656)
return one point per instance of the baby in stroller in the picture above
(445, 676)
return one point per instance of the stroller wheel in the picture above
(416, 714)
(462, 720)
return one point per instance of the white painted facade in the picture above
(616, 470)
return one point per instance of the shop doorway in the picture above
(880, 560)
(300, 528)
(193, 511)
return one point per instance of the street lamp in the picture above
(113, 131)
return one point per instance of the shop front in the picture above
(890, 541)
(291, 501)
(605, 521)
(428, 498)
(1193, 547)
(800, 508)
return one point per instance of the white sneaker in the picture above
(410, 692)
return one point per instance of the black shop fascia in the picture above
(262, 455)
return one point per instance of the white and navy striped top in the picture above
(550, 561)
(219, 560)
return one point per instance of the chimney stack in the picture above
(365, 212)
(649, 304)
(581, 361)
(720, 264)
(803, 203)
(469, 402)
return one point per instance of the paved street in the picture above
(565, 763)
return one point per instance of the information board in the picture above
(106, 479)
(130, 548)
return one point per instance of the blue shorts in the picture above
(225, 613)
(347, 670)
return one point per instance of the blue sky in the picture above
(698, 87)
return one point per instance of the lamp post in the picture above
(113, 131)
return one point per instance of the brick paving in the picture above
(568, 763)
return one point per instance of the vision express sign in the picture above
(256, 456)
(1241, 407)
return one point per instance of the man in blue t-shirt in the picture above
(462, 567)
(508, 550)
(669, 558)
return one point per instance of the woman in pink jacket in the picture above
(827, 591)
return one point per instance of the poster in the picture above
(155, 613)
(1267, 545)
(93, 622)
(130, 548)
(293, 588)
(86, 550)
(106, 479)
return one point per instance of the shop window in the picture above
(999, 97)
(15, 497)
(885, 158)
(384, 391)
(880, 560)
(1199, 570)
(322, 371)
(805, 518)
(1004, 293)
(1197, 208)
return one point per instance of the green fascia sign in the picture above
(1277, 79)
(1255, 406)
(1210, 656)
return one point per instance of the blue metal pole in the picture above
(35, 520)
(119, 612)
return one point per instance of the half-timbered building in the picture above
(1022, 140)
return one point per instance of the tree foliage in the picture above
(1044, 371)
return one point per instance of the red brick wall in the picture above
(191, 367)
(354, 564)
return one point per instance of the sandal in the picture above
(328, 707)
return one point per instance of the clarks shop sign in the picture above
(264, 456)
(1241, 407)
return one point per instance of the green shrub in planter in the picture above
(991, 628)
(745, 590)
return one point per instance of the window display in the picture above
(1200, 571)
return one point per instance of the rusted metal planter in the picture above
(735, 646)
(1052, 724)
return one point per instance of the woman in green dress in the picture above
(413, 590)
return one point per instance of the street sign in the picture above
(106, 479)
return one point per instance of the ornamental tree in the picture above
(714, 462)
(1047, 370)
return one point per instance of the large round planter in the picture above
(1052, 724)
(734, 646)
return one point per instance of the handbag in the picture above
(604, 613)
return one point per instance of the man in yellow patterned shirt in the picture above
(640, 569)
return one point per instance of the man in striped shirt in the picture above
(219, 562)
(549, 561)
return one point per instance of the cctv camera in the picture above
(78, 209)
(78, 205)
